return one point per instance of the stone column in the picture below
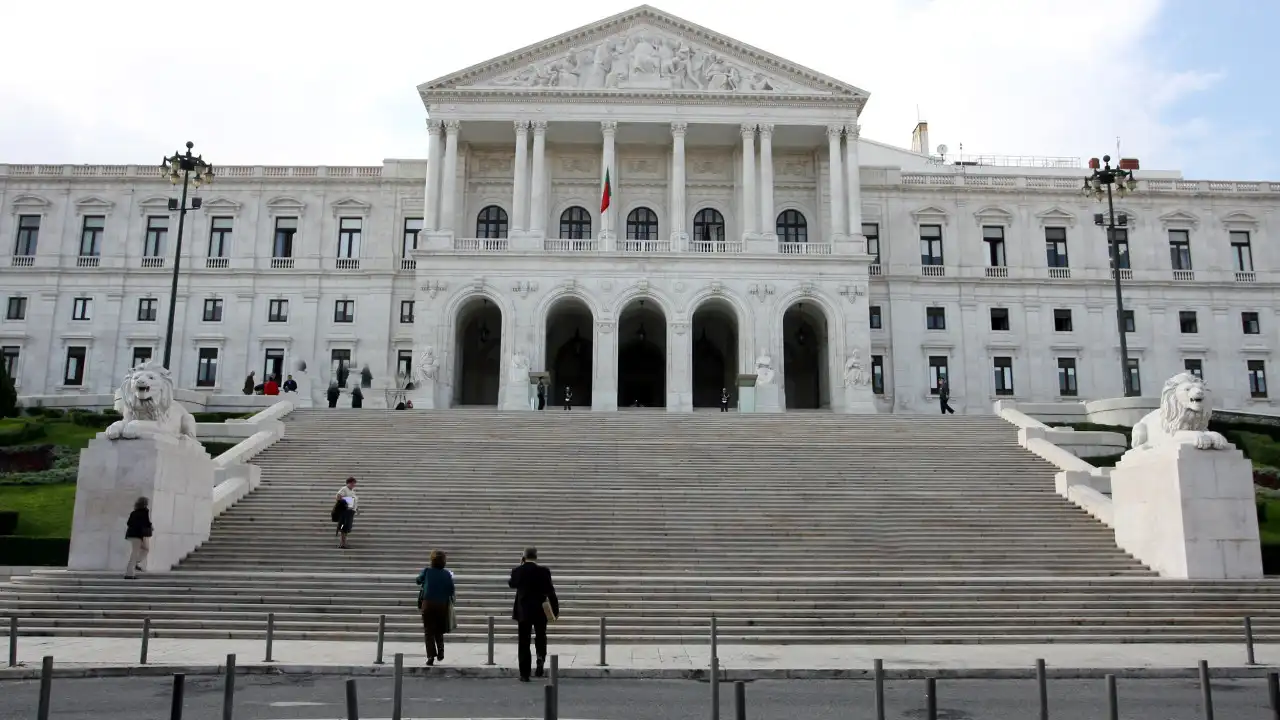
(748, 213)
(853, 187)
(676, 221)
(431, 200)
(604, 386)
(538, 193)
(768, 221)
(679, 367)
(449, 186)
(836, 187)
(521, 183)
(609, 129)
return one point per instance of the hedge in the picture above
(22, 433)
(21, 550)
(44, 477)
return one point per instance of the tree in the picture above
(8, 394)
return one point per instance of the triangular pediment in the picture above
(1179, 218)
(993, 215)
(153, 205)
(222, 206)
(351, 206)
(930, 214)
(93, 203)
(646, 51)
(1056, 216)
(30, 203)
(285, 203)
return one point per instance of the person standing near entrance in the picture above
(944, 394)
(724, 399)
(568, 398)
(138, 532)
(542, 394)
(536, 605)
(347, 518)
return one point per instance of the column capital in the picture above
(539, 126)
(833, 131)
(747, 129)
(853, 131)
(451, 126)
(609, 127)
(766, 130)
(433, 125)
(679, 128)
(522, 126)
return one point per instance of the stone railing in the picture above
(308, 172)
(977, 180)
(234, 476)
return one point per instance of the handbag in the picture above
(453, 617)
(548, 611)
(339, 508)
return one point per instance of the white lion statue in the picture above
(1183, 417)
(764, 370)
(148, 407)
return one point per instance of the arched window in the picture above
(792, 227)
(642, 224)
(708, 226)
(491, 223)
(575, 224)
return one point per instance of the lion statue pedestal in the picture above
(150, 453)
(1183, 497)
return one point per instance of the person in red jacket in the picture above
(271, 387)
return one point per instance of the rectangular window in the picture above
(1062, 321)
(412, 228)
(1000, 319)
(935, 318)
(340, 360)
(1258, 378)
(73, 372)
(286, 229)
(278, 311)
(1241, 251)
(1135, 376)
(1130, 325)
(207, 367)
(220, 236)
(930, 244)
(1188, 323)
(273, 365)
(157, 233)
(91, 235)
(877, 374)
(141, 356)
(17, 309)
(213, 310)
(872, 232)
(1195, 366)
(1055, 247)
(937, 371)
(1122, 246)
(9, 357)
(81, 308)
(1004, 375)
(406, 311)
(404, 364)
(147, 309)
(344, 311)
(876, 320)
(1180, 249)
(29, 235)
(349, 237)
(1250, 322)
(1067, 377)
(993, 236)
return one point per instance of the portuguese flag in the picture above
(608, 192)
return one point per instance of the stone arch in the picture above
(716, 345)
(624, 216)
(548, 303)
(647, 293)
(809, 379)
(568, 348)
(449, 338)
(591, 206)
(712, 204)
(644, 363)
(745, 319)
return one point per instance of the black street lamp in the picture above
(1098, 186)
(186, 169)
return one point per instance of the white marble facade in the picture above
(750, 225)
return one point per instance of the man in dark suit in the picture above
(532, 583)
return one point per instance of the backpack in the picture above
(339, 508)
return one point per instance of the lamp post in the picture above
(186, 169)
(1097, 186)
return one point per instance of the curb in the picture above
(24, 672)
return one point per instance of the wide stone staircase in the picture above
(802, 528)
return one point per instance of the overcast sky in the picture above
(1182, 83)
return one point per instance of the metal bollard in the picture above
(931, 698)
(382, 634)
(271, 635)
(878, 669)
(1273, 694)
(490, 660)
(1248, 641)
(714, 651)
(1113, 701)
(603, 631)
(229, 688)
(1043, 682)
(398, 691)
(353, 705)
(146, 638)
(555, 680)
(740, 701)
(548, 703)
(715, 688)
(46, 688)
(179, 689)
(1206, 692)
(13, 642)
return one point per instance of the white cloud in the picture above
(291, 81)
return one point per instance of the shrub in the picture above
(26, 458)
(21, 433)
(56, 476)
(1267, 477)
(8, 394)
(8, 522)
(34, 411)
(53, 413)
(20, 550)
(86, 418)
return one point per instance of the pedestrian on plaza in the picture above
(568, 398)
(290, 385)
(542, 394)
(536, 605)
(357, 397)
(436, 603)
(724, 399)
(346, 515)
(944, 394)
(271, 387)
(333, 394)
(138, 532)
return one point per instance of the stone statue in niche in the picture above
(519, 367)
(854, 374)
(426, 370)
(764, 370)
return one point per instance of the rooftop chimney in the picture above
(920, 139)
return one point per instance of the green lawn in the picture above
(43, 510)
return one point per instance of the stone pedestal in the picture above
(306, 396)
(858, 399)
(746, 392)
(175, 474)
(768, 395)
(534, 378)
(423, 395)
(1188, 513)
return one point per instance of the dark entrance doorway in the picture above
(715, 353)
(642, 356)
(805, 375)
(570, 351)
(478, 363)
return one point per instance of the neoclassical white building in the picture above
(750, 231)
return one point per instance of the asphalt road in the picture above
(323, 698)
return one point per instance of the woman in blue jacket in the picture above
(435, 601)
